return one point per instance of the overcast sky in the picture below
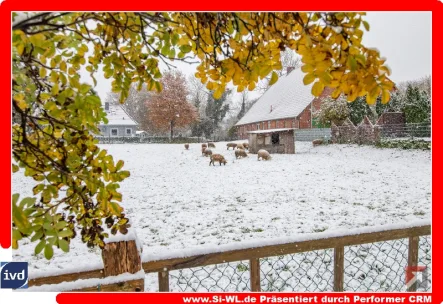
(404, 38)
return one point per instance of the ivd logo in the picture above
(13, 275)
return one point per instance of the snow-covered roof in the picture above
(288, 97)
(270, 131)
(117, 116)
(141, 132)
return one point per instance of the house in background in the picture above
(287, 104)
(120, 124)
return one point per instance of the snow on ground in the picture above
(176, 200)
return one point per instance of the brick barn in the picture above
(287, 104)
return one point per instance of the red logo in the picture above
(412, 276)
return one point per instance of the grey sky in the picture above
(404, 38)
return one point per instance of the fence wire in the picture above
(233, 276)
(307, 271)
(424, 259)
(377, 266)
(412, 130)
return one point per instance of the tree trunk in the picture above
(172, 131)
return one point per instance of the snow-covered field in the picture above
(176, 200)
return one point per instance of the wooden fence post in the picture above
(163, 281)
(121, 257)
(339, 267)
(413, 257)
(254, 265)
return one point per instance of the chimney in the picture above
(289, 69)
(106, 106)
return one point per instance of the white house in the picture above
(120, 124)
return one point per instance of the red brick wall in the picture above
(303, 121)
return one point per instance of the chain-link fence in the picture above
(377, 266)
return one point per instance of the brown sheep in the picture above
(211, 145)
(187, 146)
(240, 153)
(246, 145)
(231, 145)
(219, 158)
(204, 146)
(240, 146)
(317, 142)
(263, 154)
(207, 152)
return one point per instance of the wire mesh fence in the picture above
(233, 276)
(377, 266)
(412, 130)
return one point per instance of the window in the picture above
(275, 138)
(128, 131)
(269, 124)
(258, 126)
(114, 132)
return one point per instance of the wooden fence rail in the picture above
(164, 266)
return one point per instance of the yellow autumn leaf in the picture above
(307, 68)
(274, 78)
(309, 78)
(317, 88)
(385, 96)
(336, 93)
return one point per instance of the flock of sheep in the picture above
(240, 152)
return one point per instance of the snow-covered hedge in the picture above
(406, 144)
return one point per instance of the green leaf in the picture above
(185, 48)
(63, 245)
(119, 165)
(15, 197)
(37, 236)
(366, 25)
(352, 63)
(19, 218)
(65, 233)
(274, 78)
(115, 208)
(40, 247)
(60, 225)
(14, 168)
(27, 201)
(49, 251)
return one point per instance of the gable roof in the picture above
(117, 116)
(288, 98)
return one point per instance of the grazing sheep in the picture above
(246, 145)
(204, 146)
(219, 158)
(187, 146)
(240, 146)
(211, 145)
(317, 142)
(203, 151)
(240, 153)
(207, 152)
(263, 154)
(231, 145)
